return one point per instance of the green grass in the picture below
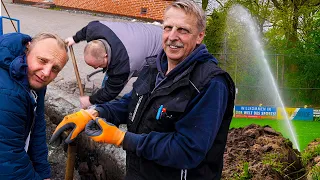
(56, 8)
(306, 131)
(308, 155)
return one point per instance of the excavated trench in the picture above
(93, 160)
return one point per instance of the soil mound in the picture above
(311, 159)
(256, 152)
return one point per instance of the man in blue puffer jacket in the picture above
(27, 66)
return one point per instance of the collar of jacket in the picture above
(200, 53)
(171, 84)
(109, 54)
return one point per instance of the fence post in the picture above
(18, 23)
(1, 26)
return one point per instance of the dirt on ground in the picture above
(311, 160)
(256, 152)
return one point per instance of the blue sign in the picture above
(304, 114)
(255, 112)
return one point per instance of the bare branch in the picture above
(219, 3)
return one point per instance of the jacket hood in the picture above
(200, 53)
(19, 70)
(12, 56)
(12, 45)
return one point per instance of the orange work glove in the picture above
(76, 122)
(102, 131)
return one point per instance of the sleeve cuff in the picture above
(92, 99)
(130, 141)
(76, 40)
(101, 112)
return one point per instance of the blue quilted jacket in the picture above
(20, 114)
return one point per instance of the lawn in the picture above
(306, 131)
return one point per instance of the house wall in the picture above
(132, 8)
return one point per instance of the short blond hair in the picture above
(190, 7)
(45, 35)
(95, 48)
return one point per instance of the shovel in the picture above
(72, 147)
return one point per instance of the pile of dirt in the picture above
(311, 159)
(256, 152)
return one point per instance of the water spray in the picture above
(249, 22)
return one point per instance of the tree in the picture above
(205, 4)
(291, 11)
(287, 27)
(260, 11)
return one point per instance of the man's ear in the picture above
(28, 47)
(200, 37)
(105, 59)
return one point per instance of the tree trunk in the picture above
(205, 4)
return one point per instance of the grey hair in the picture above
(96, 48)
(45, 35)
(190, 7)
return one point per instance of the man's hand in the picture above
(102, 131)
(76, 121)
(93, 112)
(70, 41)
(84, 102)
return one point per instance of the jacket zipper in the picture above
(158, 85)
(137, 107)
(145, 105)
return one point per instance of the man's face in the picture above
(45, 60)
(180, 34)
(95, 62)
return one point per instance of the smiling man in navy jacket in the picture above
(179, 111)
